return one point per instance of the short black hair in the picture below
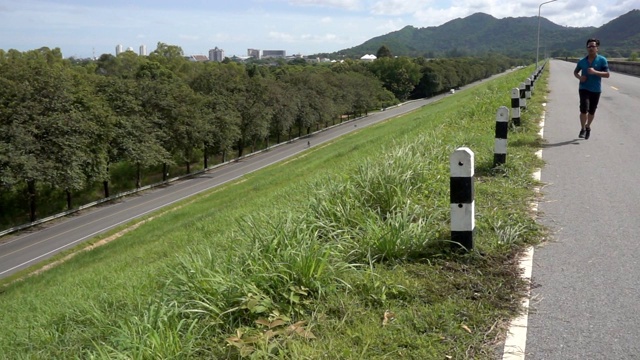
(593, 40)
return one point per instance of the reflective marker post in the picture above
(502, 128)
(515, 106)
(462, 203)
(523, 97)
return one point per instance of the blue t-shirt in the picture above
(593, 82)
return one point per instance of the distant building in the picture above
(118, 49)
(316, 59)
(216, 54)
(240, 58)
(197, 58)
(368, 57)
(254, 53)
(143, 50)
(274, 54)
(264, 54)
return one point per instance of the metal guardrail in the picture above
(624, 67)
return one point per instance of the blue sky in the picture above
(84, 28)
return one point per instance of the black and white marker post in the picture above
(533, 78)
(515, 106)
(462, 203)
(523, 96)
(502, 128)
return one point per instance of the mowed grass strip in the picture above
(340, 253)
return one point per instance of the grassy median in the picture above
(340, 253)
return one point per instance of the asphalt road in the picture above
(585, 301)
(20, 251)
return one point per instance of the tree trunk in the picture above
(188, 167)
(105, 184)
(206, 157)
(68, 199)
(165, 172)
(138, 176)
(240, 147)
(31, 188)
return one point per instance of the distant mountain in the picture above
(621, 32)
(517, 37)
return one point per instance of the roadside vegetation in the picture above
(73, 132)
(340, 253)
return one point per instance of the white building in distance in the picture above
(274, 54)
(263, 54)
(216, 54)
(368, 57)
(142, 50)
(254, 53)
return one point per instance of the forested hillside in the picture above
(516, 37)
(72, 132)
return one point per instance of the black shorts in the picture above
(588, 101)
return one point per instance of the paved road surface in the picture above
(30, 247)
(586, 281)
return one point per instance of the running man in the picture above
(590, 70)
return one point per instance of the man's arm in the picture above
(604, 74)
(576, 74)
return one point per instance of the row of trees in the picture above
(65, 123)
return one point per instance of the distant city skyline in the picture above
(215, 54)
(90, 28)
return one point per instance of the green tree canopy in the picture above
(383, 52)
(399, 75)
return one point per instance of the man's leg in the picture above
(584, 99)
(583, 125)
(587, 129)
(584, 122)
(589, 120)
(594, 98)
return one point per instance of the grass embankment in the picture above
(339, 253)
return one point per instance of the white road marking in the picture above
(516, 341)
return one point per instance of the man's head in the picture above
(592, 44)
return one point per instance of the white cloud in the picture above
(391, 25)
(397, 7)
(274, 35)
(189, 37)
(340, 4)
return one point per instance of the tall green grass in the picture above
(303, 259)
